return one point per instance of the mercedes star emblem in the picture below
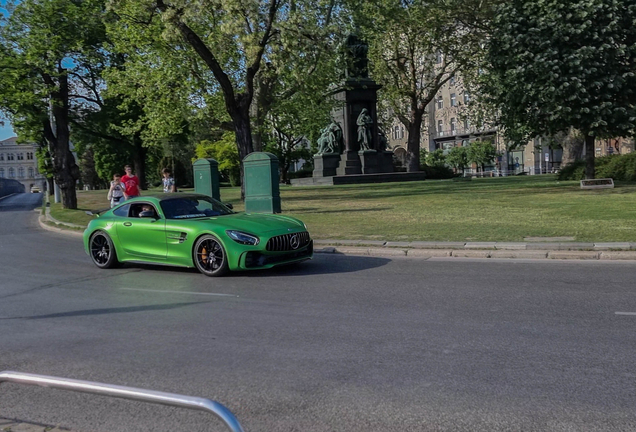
(294, 242)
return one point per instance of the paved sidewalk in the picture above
(9, 425)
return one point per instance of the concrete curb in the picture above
(605, 251)
(479, 253)
(42, 220)
(7, 196)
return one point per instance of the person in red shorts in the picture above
(131, 182)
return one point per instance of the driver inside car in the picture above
(146, 211)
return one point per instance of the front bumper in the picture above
(259, 259)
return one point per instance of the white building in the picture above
(19, 162)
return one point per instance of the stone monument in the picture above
(361, 149)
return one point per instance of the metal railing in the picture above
(122, 392)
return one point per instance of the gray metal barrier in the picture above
(131, 393)
(8, 186)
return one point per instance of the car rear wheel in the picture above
(102, 250)
(210, 257)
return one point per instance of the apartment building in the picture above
(19, 162)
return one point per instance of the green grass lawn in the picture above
(492, 209)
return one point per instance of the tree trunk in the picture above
(572, 147)
(589, 156)
(50, 186)
(243, 132)
(65, 169)
(139, 162)
(413, 142)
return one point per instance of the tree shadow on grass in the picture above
(316, 210)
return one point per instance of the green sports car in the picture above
(192, 230)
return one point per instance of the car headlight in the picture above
(243, 238)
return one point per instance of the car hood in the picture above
(255, 223)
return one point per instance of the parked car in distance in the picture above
(193, 230)
(35, 189)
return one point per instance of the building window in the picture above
(453, 99)
(451, 81)
(30, 156)
(396, 132)
(438, 57)
(453, 125)
(20, 172)
(20, 156)
(440, 102)
(11, 173)
(401, 131)
(466, 98)
(1, 156)
(440, 126)
(31, 172)
(10, 156)
(1, 172)
(466, 125)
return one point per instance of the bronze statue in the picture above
(330, 139)
(356, 61)
(365, 123)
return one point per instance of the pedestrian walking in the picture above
(116, 191)
(168, 181)
(131, 183)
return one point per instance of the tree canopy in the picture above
(553, 65)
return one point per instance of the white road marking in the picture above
(625, 313)
(179, 292)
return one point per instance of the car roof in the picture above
(168, 196)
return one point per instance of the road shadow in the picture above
(106, 311)
(321, 264)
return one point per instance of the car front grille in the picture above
(288, 242)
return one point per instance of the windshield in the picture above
(193, 207)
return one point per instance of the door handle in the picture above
(127, 223)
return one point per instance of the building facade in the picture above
(19, 162)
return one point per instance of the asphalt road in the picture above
(340, 343)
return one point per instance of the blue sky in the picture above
(6, 131)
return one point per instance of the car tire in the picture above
(102, 250)
(209, 256)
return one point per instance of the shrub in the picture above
(617, 167)
(438, 172)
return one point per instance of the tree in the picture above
(481, 153)
(230, 40)
(415, 48)
(555, 65)
(457, 157)
(50, 51)
(225, 153)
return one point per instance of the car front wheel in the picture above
(102, 250)
(210, 257)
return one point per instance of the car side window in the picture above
(122, 211)
(143, 210)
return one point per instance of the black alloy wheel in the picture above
(102, 250)
(210, 257)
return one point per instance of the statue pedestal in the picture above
(325, 165)
(349, 164)
(385, 161)
(370, 161)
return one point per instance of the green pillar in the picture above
(262, 194)
(206, 177)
